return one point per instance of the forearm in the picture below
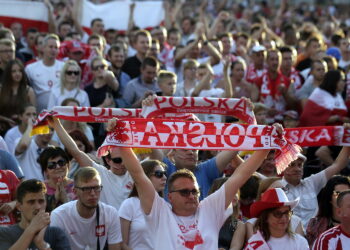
(228, 85)
(24, 142)
(24, 241)
(214, 53)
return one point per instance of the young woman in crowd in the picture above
(269, 183)
(273, 212)
(189, 82)
(69, 87)
(133, 225)
(14, 93)
(54, 164)
(327, 216)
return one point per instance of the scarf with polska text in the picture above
(173, 134)
(257, 242)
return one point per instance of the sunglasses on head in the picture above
(55, 164)
(117, 160)
(159, 173)
(187, 192)
(72, 72)
(279, 215)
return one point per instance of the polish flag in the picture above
(115, 14)
(320, 106)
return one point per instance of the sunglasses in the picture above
(97, 67)
(279, 215)
(89, 189)
(187, 192)
(336, 193)
(117, 160)
(159, 174)
(55, 164)
(71, 72)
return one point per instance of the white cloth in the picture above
(297, 242)
(43, 79)
(199, 231)
(11, 137)
(28, 161)
(332, 239)
(294, 222)
(115, 188)
(140, 237)
(81, 231)
(56, 97)
(307, 190)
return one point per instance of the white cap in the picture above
(258, 48)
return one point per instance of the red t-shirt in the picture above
(8, 185)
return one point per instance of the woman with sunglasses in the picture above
(54, 164)
(135, 232)
(274, 211)
(296, 226)
(69, 87)
(327, 216)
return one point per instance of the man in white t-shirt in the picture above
(337, 237)
(186, 223)
(116, 180)
(89, 223)
(45, 74)
(307, 189)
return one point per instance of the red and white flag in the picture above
(115, 14)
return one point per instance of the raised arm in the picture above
(244, 171)
(339, 164)
(25, 140)
(81, 157)
(227, 79)
(143, 184)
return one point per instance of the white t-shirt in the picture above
(297, 242)
(213, 92)
(43, 79)
(28, 161)
(115, 188)
(11, 137)
(139, 234)
(81, 231)
(199, 231)
(307, 190)
(56, 97)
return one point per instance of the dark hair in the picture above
(144, 33)
(78, 135)
(250, 188)
(262, 225)
(9, 103)
(150, 61)
(192, 21)
(114, 48)
(32, 30)
(335, 38)
(93, 21)
(311, 40)
(325, 197)
(51, 152)
(174, 31)
(330, 81)
(29, 186)
(341, 197)
(64, 23)
(68, 100)
(148, 167)
(24, 107)
(313, 63)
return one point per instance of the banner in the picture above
(28, 13)
(115, 14)
(173, 134)
(162, 105)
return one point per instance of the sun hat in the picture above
(272, 198)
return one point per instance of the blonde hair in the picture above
(165, 75)
(63, 74)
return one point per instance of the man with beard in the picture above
(89, 223)
(116, 180)
(307, 189)
(34, 231)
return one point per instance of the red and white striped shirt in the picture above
(334, 238)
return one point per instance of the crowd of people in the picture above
(291, 61)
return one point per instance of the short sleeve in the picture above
(126, 210)
(114, 233)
